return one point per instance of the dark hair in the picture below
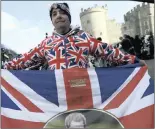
(99, 38)
(66, 4)
(51, 9)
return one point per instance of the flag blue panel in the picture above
(6, 102)
(150, 88)
(43, 83)
(111, 79)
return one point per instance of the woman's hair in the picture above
(76, 117)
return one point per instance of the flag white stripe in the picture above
(139, 102)
(13, 99)
(120, 88)
(27, 116)
(61, 89)
(149, 100)
(146, 101)
(95, 87)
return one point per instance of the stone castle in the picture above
(95, 21)
(139, 21)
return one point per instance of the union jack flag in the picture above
(30, 98)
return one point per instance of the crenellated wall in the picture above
(92, 9)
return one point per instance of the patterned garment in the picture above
(70, 51)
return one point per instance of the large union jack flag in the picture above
(30, 98)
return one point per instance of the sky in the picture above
(24, 23)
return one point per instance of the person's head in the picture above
(150, 33)
(137, 37)
(125, 36)
(75, 120)
(60, 17)
(142, 38)
(99, 38)
(120, 38)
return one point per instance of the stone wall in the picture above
(139, 20)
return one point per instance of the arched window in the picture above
(88, 21)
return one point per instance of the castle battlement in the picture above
(137, 8)
(93, 9)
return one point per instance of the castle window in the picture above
(146, 25)
(149, 14)
(125, 28)
(88, 21)
(146, 31)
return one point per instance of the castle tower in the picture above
(94, 21)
